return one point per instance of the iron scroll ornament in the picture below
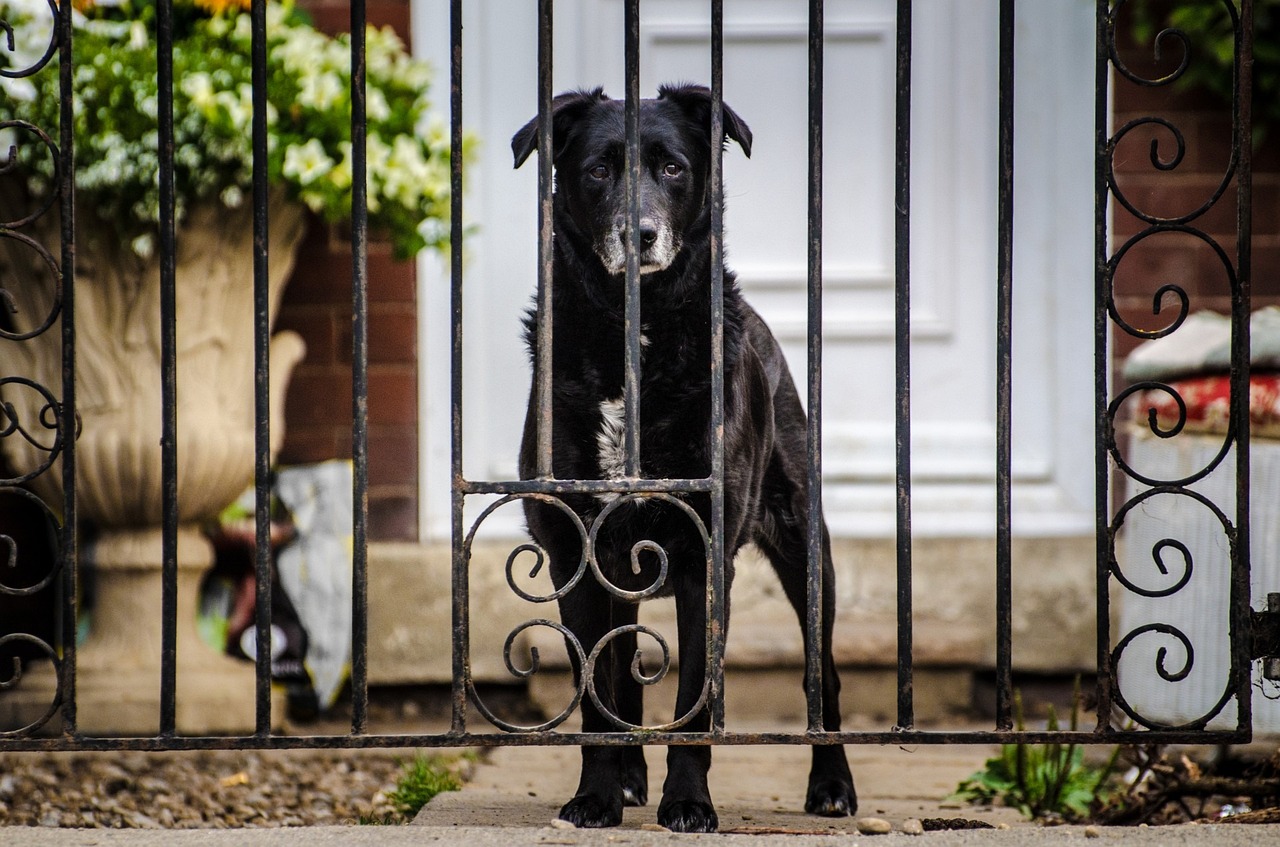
(1166, 550)
(586, 660)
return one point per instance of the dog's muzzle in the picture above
(658, 247)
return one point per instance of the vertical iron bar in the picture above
(1102, 429)
(814, 621)
(631, 321)
(461, 588)
(902, 353)
(716, 600)
(168, 372)
(546, 141)
(359, 378)
(67, 412)
(1004, 381)
(545, 232)
(1240, 361)
(261, 373)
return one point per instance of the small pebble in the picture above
(653, 827)
(874, 826)
(912, 826)
(1092, 832)
(1003, 825)
(562, 824)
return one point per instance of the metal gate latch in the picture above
(1265, 629)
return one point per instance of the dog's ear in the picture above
(696, 102)
(564, 109)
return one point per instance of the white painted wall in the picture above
(953, 238)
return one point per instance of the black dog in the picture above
(765, 487)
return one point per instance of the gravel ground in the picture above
(200, 790)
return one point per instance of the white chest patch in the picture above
(611, 444)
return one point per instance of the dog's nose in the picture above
(648, 234)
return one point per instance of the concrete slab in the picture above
(756, 789)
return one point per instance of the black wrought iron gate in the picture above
(1253, 634)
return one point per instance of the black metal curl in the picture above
(1113, 446)
(11, 560)
(11, 161)
(535, 664)
(13, 680)
(1163, 165)
(1177, 676)
(1153, 419)
(1183, 300)
(642, 546)
(55, 309)
(1227, 528)
(48, 53)
(589, 674)
(14, 425)
(529, 547)
(1157, 47)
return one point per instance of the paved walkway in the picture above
(514, 796)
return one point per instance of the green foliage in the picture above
(422, 779)
(1208, 27)
(308, 116)
(1040, 779)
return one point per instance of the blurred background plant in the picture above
(308, 116)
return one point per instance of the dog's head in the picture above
(589, 140)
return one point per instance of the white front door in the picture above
(952, 254)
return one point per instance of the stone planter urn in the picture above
(119, 486)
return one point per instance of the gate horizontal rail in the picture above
(466, 700)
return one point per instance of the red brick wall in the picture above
(1205, 123)
(317, 304)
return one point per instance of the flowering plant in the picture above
(308, 115)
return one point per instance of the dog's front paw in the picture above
(688, 816)
(832, 797)
(588, 811)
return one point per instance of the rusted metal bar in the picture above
(460, 580)
(261, 375)
(813, 617)
(69, 554)
(573, 739)
(631, 318)
(902, 356)
(1004, 380)
(545, 329)
(1102, 428)
(359, 379)
(168, 372)
(717, 608)
(1241, 305)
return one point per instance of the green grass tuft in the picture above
(422, 779)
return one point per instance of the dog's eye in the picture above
(672, 169)
(599, 172)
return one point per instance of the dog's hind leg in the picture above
(784, 540)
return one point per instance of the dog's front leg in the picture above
(601, 794)
(686, 800)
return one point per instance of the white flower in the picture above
(232, 196)
(199, 87)
(320, 91)
(138, 37)
(143, 245)
(306, 162)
